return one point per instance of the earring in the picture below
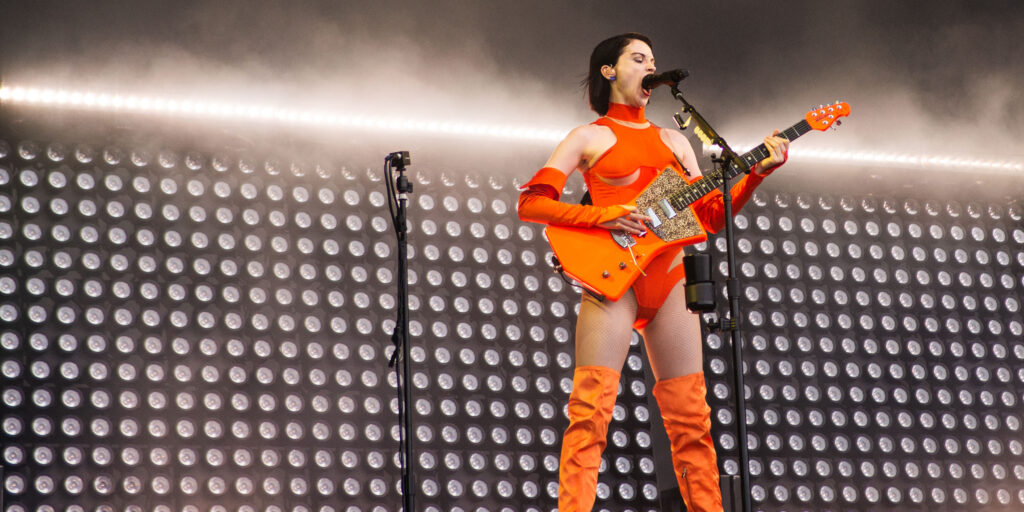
(611, 78)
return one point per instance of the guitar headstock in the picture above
(826, 116)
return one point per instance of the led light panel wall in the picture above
(182, 331)
(884, 353)
(193, 331)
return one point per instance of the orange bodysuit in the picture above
(640, 152)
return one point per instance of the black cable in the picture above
(403, 464)
(392, 193)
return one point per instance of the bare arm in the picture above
(539, 201)
(571, 151)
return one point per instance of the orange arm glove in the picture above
(710, 209)
(539, 202)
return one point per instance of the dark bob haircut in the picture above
(606, 53)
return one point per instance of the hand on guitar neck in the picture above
(631, 222)
(778, 153)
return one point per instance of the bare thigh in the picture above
(603, 331)
(672, 338)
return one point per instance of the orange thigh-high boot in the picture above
(594, 389)
(687, 419)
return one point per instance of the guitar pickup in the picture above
(667, 208)
(655, 220)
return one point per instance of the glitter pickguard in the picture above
(683, 224)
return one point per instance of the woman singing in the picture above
(619, 154)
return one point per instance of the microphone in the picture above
(667, 78)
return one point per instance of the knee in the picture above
(594, 390)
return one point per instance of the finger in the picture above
(634, 227)
(635, 223)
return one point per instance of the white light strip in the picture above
(905, 160)
(890, 159)
(238, 111)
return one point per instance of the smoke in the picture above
(937, 77)
(932, 78)
(293, 56)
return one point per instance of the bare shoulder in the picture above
(676, 141)
(577, 147)
(682, 149)
(587, 133)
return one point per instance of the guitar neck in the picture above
(713, 180)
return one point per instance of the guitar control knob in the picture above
(605, 274)
(622, 265)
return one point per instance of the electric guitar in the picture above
(607, 262)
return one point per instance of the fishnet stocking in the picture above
(603, 331)
(672, 337)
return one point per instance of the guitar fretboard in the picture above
(702, 187)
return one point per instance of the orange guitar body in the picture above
(605, 268)
(607, 262)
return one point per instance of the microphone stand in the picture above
(727, 159)
(398, 190)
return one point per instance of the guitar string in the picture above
(703, 186)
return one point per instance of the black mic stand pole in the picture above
(727, 159)
(398, 190)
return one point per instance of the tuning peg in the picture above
(837, 102)
(821, 106)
